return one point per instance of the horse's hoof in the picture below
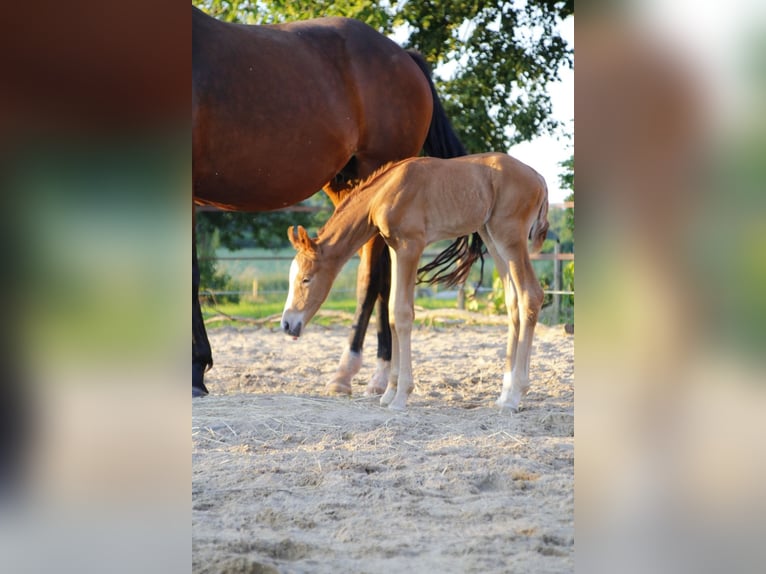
(507, 406)
(387, 397)
(379, 381)
(198, 376)
(371, 391)
(337, 389)
(394, 406)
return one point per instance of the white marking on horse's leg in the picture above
(530, 297)
(379, 381)
(405, 383)
(399, 403)
(393, 374)
(511, 395)
(389, 395)
(514, 388)
(349, 365)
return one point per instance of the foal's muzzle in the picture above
(293, 329)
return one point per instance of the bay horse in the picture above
(415, 202)
(282, 111)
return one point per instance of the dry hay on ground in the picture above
(285, 480)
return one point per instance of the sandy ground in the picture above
(286, 480)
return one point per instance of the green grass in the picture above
(250, 310)
(261, 309)
(271, 276)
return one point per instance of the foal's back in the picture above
(431, 199)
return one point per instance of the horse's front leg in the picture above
(202, 358)
(372, 280)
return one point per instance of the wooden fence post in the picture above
(557, 280)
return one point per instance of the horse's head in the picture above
(311, 277)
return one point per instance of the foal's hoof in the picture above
(379, 381)
(337, 389)
(507, 406)
(387, 397)
(199, 391)
(373, 391)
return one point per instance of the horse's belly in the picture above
(450, 219)
(256, 172)
(253, 191)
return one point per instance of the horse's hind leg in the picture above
(530, 300)
(511, 303)
(202, 358)
(523, 299)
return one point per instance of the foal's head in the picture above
(311, 277)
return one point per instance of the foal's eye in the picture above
(306, 280)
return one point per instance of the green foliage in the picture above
(566, 181)
(559, 224)
(239, 229)
(568, 283)
(494, 300)
(235, 230)
(211, 278)
(506, 54)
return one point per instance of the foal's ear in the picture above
(300, 239)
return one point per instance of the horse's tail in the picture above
(462, 253)
(539, 228)
(442, 141)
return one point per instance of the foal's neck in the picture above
(349, 228)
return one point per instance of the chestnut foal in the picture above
(412, 203)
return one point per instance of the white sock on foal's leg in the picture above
(388, 396)
(349, 365)
(379, 380)
(514, 388)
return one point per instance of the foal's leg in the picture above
(530, 300)
(393, 375)
(404, 266)
(372, 284)
(369, 284)
(511, 305)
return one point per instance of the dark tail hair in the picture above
(442, 141)
(463, 254)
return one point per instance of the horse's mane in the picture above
(358, 190)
